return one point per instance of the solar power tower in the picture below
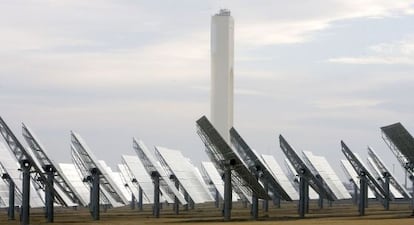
(365, 179)
(401, 143)
(306, 178)
(160, 178)
(93, 171)
(385, 176)
(30, 169)
(228, 163)
(322, 170)
(184, 175)
(259, 169)
(53, 172)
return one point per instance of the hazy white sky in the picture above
(315, 71)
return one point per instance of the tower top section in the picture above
(223, 12)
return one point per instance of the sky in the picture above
(316, 72)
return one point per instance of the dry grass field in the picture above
(339, 213)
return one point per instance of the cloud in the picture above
(268, 33)
(367, 60)
(403, 47)
(341, 103)
(167, 62)
(393, 53)
(72, 44)
(298, 22)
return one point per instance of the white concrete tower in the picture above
(222, 61)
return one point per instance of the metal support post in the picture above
(156, 178)
(140, 203)
(25, 211)
(10, 212)
(227, 194)
(387, 191)
(46, 209)
(255, 199)
(187, 199)
(276, 201)
(302, 197)
(412, 194)
(265, 201)
(217, 202)
(307, 197)
(90, 196)
(255, 207)
(133, 201)
(192, 204)
(320, 201)
(355, 193)
(176, 202)
(366, 193)
(362, 193)
(49, 193)
(95, 193)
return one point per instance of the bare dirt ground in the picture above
(339, 213)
